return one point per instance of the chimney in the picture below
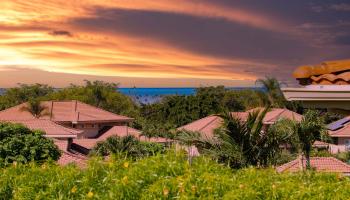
(69, 144)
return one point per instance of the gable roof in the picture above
(342, 132)
(205, 126)
(51, 129)
(338, 124)
(324, 164)
(76, 111)
(275, 114)
(120, 131)
(65, 111)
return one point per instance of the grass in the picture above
(165, 177)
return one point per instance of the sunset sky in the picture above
(167, 43)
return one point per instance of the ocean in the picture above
(151, 95)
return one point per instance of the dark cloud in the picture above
(61, 33)
(208, 36)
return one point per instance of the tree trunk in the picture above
(307, 157)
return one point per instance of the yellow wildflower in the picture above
(90, 194)
(165, 191)
(126, 165)
(193, 188)
(74, 189)
(273, 186)
(125, 180)
(241, 186)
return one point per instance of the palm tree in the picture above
(240, 143)
(274, 92)
(36, 108)
(118, 145)
(305, 133)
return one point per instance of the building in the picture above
(326, 85)
(320, 164)
(75, 127)
(339, 131)
(206, 126)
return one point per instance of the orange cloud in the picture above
(37, 34)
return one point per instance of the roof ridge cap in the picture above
(211, 121)
(103, 110)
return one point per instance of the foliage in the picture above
(100, 94)
(274, 92)
(21, 145)
(165, 177)
(23, 93)
(180, 110)
(306, 132)
(36, 108)
(128, 145)
(241, 143)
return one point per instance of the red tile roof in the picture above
(206, 126)
(342, 132)
(69, 157)
(65, 111)
(76, 111)
(50, 128)
(276, 114)
(120, 131)
(323, 68)
(324, 164)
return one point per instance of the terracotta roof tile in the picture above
(205, 126)
(120, 131)
(50, 128)
(65, 111)
(342, 132)
(276, 114)
(71, 158)
(76, 111)
(324, 164)
(324, 68)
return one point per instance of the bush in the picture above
(165, 176)
(21, 145)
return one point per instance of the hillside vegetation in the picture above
(166, 176)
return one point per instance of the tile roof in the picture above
(121, 131)
(323, 68)
(338, 124)
(65, 111)
(324, 164)
(205, 126)
(50, 128)
(69, 157)
(342, 132)
(76, 111)
(276, 114)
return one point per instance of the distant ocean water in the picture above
(151, 95)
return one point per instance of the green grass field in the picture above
(165, 177)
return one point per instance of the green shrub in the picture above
(165, 176)
(21, 145)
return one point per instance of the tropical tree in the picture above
(240, 142)
(127, 145)
(304, 133)
(20, 144)
(274, 92)
(36, 108)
